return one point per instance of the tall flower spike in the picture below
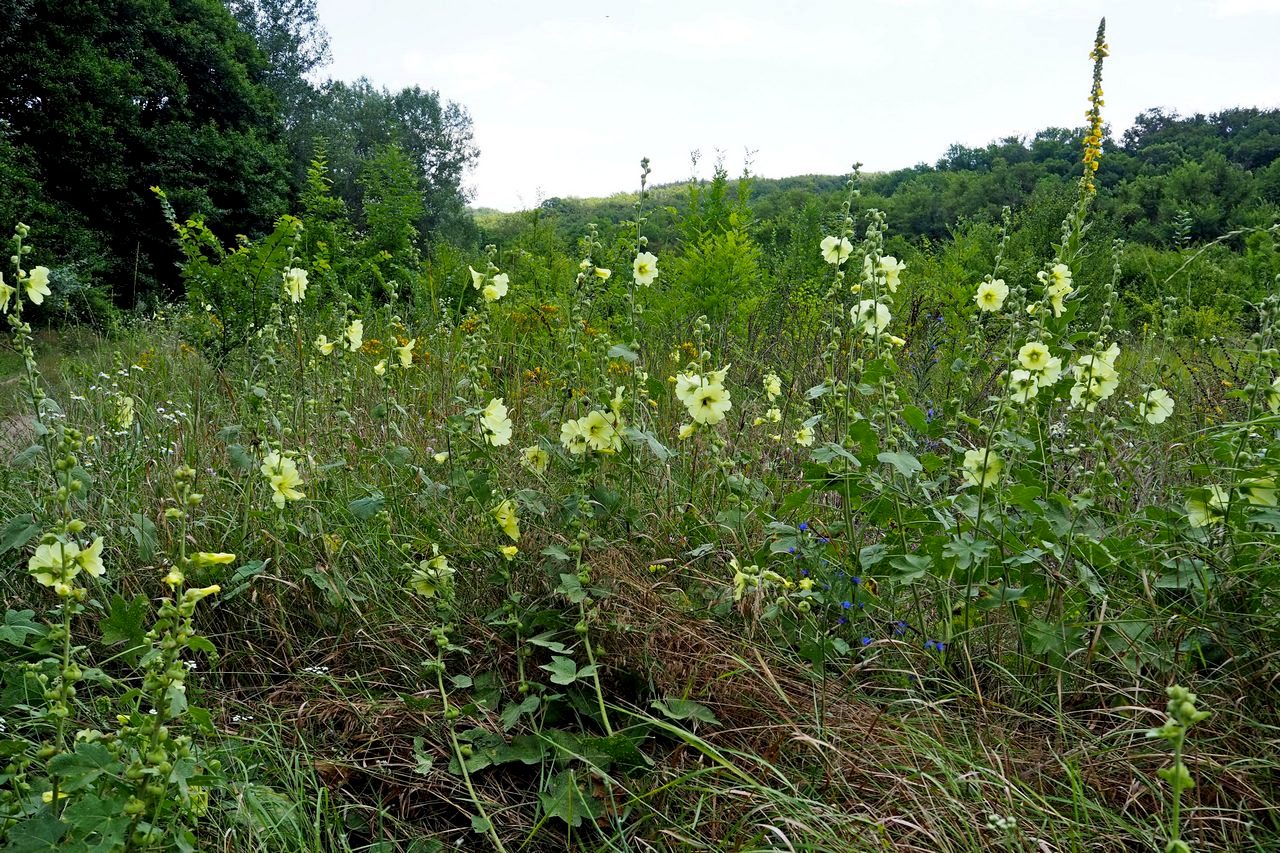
(1093, 138)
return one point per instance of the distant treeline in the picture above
(1167, 179)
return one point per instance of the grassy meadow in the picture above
(624, 545)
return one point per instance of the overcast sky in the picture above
(567, 97)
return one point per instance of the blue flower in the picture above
(824, 539)
(804, 525)
(804, 572)
(899, 628)
(791, 550)
(866, 641)
(855, 580)
(842, 621)
(846, 604)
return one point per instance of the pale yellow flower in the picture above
(441, 457)
(477, 278)
(509, 552)
(890, 268)
(1057, 286)
(433, 576)
(603, 274)
(295, 284)
(213, 558)
(325, 345)
(380, 368)
(573, 438)
(496, 424)
(405, 353)
(991, 295)
(54, 563)
(90, 559)
(1156, 406)
(1057, 292)
(282, 473)
(1051, 372)
(772, 386)
(38, 285)
(1273, 395)
(804, 436)
(873, 316)
(6, 293)
(1022, 385)
(687, 431)
(536, 458)
(1201, 512)
(1033, 355)
(598, 431)
(836, 250)
(644, 269)
(496, 288)
(505, 514)
(982, 467)
(124, 412)
(355, 335)
(709, 404)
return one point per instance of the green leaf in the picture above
(18, 532)
(623, 352)
(906, 464)
(27, 457)
(915, 419)
(82, 767)
(18, 626)
(571, 588)
(685, 709)
(38, 833)
(422, 761)
(143, 530)
(564, 800)
(545, 640)
(367, 507)
(125, 623)
(827, 452)
(98, 824)
(513, 712)
(563, 670)
(817, 391)
(527, 749)
(910, 567)
(656, 447)
(794, 501)
(240, 458)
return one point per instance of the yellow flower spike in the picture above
(175, 578)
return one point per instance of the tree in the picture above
(106, 98)
(358, 119)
